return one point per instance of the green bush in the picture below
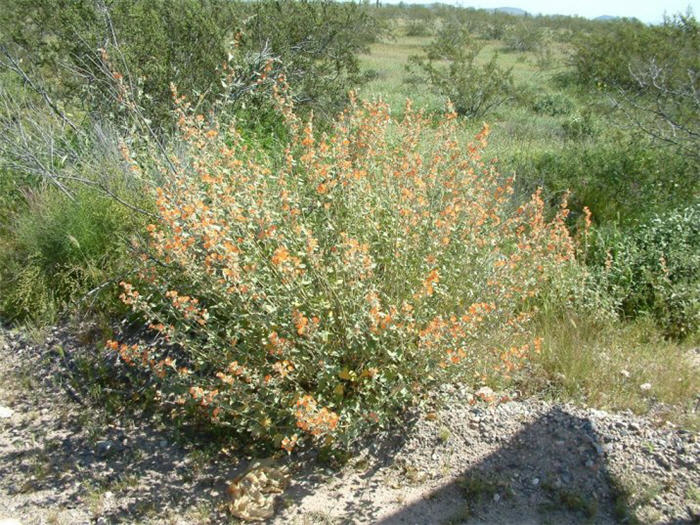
(609, 56)
(450, 64)
(186, 43)
(418, 28)
(316, 43)
(652, 269)
(651, 74)
(56, 250)
(619, 181)
(523, 37)
(602, 57)
(553, 104)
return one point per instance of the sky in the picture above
(645, 10)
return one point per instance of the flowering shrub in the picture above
(307, 295)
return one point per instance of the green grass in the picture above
(604, 363)
(393, 83)
(54, 251)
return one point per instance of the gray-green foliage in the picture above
(154, 43)
(451, 66)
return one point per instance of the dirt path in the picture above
(522, 462)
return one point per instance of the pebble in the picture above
(5, 413)
(108, 447)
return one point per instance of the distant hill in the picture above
(511, 11)
(606, 18)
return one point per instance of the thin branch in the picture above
(15, 66)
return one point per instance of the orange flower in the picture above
(281, 255)
(300, 321)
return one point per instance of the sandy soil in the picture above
(470, 461)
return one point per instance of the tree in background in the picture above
(186, 42)
(450, 64)
(651, 73)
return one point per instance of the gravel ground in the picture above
(468, 461)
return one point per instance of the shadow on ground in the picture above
(73, 460)
(553, 471)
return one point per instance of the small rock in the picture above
(107, 447)
(662, 461)
(484, 393)
(600, 449)
(632, 425)
(496, 498)
(624, 373)
(645, 386)
(5, 413)
(535, 481)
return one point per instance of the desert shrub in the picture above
(619, 181)
(185, 42)
(544, 57)
(450, 65)
(553, 104)
(610, 55)
(318, 292)
(56, 250)
(651, 72)
(316, 46)
(523, 37)
(160, 42)
(494, 30)
(651, 269)
(418, 28)
(602, 57)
